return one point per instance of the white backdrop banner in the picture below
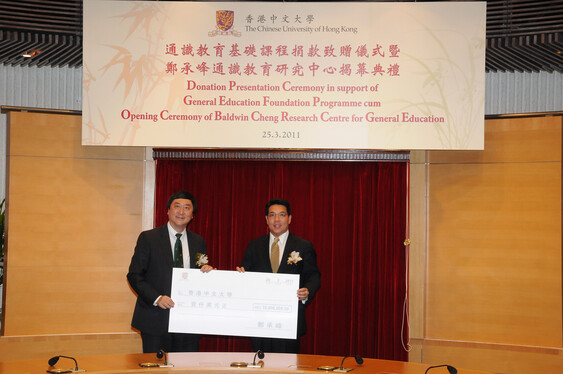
(284, 75)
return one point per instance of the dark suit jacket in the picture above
(150, 275)
(257, 259)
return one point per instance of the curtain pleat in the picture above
(354, 213)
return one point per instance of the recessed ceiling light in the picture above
(31, 53)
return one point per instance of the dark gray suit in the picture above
(257, 259)
(150, 275)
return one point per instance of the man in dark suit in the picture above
(150, 275)
(282, 252)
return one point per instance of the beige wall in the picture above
(486, 263)
(73, 214)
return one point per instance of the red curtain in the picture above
(354, 213)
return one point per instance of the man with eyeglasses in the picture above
(282, 252)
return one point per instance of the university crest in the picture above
(224, 20)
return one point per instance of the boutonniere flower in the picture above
(293, 258)
(201, 259)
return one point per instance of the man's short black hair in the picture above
(182, 195)
(283, 202)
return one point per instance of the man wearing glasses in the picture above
(282, 252)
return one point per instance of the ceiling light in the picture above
(31, 53)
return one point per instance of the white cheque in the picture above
(232, 303)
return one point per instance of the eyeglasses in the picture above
(280, 214)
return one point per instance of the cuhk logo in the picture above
(224, 20)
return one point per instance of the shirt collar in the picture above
(173, 232)
(283, 237)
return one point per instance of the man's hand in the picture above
(206, 268)
(240, 269)
(302, 293)
(165, 302)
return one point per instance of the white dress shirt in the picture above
(184, 239)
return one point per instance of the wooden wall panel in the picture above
(492, 262)
(74, 214)
(526, 139)
(417, 248)
(15, 348)
(494, 258)
(495, 358)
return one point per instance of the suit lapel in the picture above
(289, 247)
(264, 252)
(192, 248)
(166, 246)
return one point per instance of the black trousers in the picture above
(275, 345)
(170, 342)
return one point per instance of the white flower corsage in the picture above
(294, 258)
(201, 259)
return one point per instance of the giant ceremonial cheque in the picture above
(232, 303)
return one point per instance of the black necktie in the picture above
(178, 259)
